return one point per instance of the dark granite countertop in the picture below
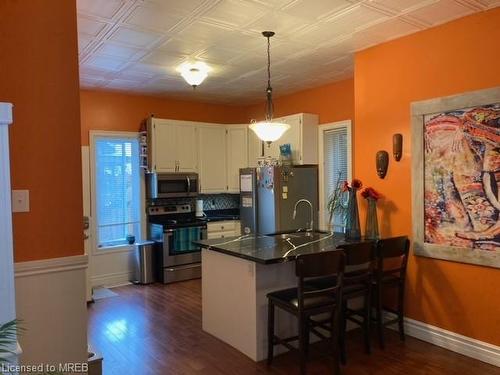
(275, 248)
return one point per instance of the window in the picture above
(335, 154)
(117, 189)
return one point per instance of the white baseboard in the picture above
(455, 342)
(111, 280)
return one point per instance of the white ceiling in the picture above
(136, 45)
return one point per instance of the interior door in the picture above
(212, 148)
(87, 233)
(237, 155)
(187, 155)
(164, 146)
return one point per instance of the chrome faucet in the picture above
(311, 222)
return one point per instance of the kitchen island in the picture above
(238, 273)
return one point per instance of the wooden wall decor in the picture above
(382, 163)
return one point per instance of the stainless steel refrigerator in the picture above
(268, 196)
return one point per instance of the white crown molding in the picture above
(5, 113)
(35, 267)
(455, 342)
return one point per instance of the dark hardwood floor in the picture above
(157, 330)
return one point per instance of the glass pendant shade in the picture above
(195, 73)
(268, 131)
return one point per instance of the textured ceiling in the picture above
(136, 45)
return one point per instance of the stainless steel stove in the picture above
(174, 227)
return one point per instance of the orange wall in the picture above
(449, 59)
(104, 110)
(39, 74)
(332, 102)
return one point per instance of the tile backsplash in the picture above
(220, 201)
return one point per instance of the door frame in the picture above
(321, 162)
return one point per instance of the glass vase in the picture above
(352, 226)
(371, 228)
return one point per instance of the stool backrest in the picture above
(327, 263)
(360, 257)
(396, 250)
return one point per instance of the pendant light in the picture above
(267, 130)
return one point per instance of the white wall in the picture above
(50, 301)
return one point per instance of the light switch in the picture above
(20, 201)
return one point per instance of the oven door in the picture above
(178, 248)
(172, 185)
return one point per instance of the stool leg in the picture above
(342, 331)
(336, 337)
(270, 332)
(401, 297)
(303, 332)
(366, 320)
(380, 318)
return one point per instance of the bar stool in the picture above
(392, 260)
(306, 302)
(358, 278)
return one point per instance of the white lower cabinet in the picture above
(223, 229)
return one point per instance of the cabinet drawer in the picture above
(224, 226)
(215, 235)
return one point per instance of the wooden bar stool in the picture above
(306, 302)
(358, 278)
(392, 259)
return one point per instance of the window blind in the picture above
(117, 190)
(336, 164)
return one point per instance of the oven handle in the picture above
(189, 184)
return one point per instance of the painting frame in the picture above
(418, 112)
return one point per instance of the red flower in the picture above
(357, 184)
(345, 186)
(370, 192)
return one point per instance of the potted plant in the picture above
(337, 202)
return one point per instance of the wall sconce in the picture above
(397, 146)
(382, 163)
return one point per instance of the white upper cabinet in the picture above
(254, 148)
(187, 155)
(212, 158)
(172, 146)
(302, 137)
(236, 155)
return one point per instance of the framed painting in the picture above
(456, 177)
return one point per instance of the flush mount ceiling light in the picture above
(267, 130)
(194, 73)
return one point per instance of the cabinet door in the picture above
(212, 158)
(291, 136)
(254, 148)
(237, 155)
(187, 155)
(164, 142)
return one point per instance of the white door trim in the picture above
(321, 161)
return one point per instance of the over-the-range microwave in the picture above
(171, 185)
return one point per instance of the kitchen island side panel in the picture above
(229, 300)
(234, 301)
